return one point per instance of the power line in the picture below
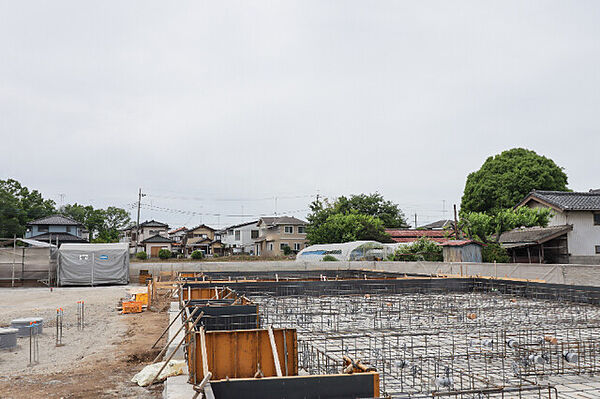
(193, 213)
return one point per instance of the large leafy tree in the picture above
(505, 179)
(102, 224)
(19, 205)
(488, 228)
(347, 227)
(358, 217)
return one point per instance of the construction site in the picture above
(338, 333)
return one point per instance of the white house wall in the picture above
(584, 237)
(245, 242)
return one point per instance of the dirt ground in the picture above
(97, 362)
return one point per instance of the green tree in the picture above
(364, 215)
(505, 179)
(348, 227)
(114, 219)
(102, 224)
(19, 205)
(488, 228)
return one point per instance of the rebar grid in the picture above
(453, 344)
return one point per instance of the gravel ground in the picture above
(104, 326)
(98, 362)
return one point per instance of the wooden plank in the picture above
(274, 351)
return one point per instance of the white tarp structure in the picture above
(93, 264)
(347, 251)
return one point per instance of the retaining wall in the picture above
(557, 274)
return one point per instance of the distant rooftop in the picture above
(277, 220)
(566, 200)
(55, 220)
(438, 225)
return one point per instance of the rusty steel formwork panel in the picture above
(244, 354)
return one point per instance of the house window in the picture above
(282, 246)
(229, 232)
(288, 229)
(297, 246)
(69, 229)
(596, 219)
(301, 229)
(270, 246)
(254, 234)
(43, 228)
(237, 235)
(598, 249)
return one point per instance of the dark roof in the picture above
(55, 220)
(565, 200)
(235, 226)
(459, 243)
(440, 224)
(153, 223)
(62, 237)
(410, 235)
(277, 220)
(157, 238)
(202, 225)
(532, 235)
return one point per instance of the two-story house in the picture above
(55, 228)
(147, 229)
(203, 238)
(573, 231)
(275, 233)
(239, 239)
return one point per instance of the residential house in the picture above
(147, 229)
(274, 233)
(412, 235)
(153, 245)
(203, 238)
(239, 239)
(178, 236)
(576, 217)
(55, 228)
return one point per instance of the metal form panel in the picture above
(338, 386)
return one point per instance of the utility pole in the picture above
(415, 221)
(455, 223)
(137, 229)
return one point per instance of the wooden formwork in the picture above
(243, 354)
(187, 293)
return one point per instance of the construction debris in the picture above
(149, 373)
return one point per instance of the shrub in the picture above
(287, 250)
(141, 255)
(329, 258)
(494, 252)
(422, 249)
(197, 255)
(164, 254)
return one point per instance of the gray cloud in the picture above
(241, 101)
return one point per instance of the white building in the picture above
(578, 210)
(240, 238)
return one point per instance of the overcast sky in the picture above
(217, 108)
